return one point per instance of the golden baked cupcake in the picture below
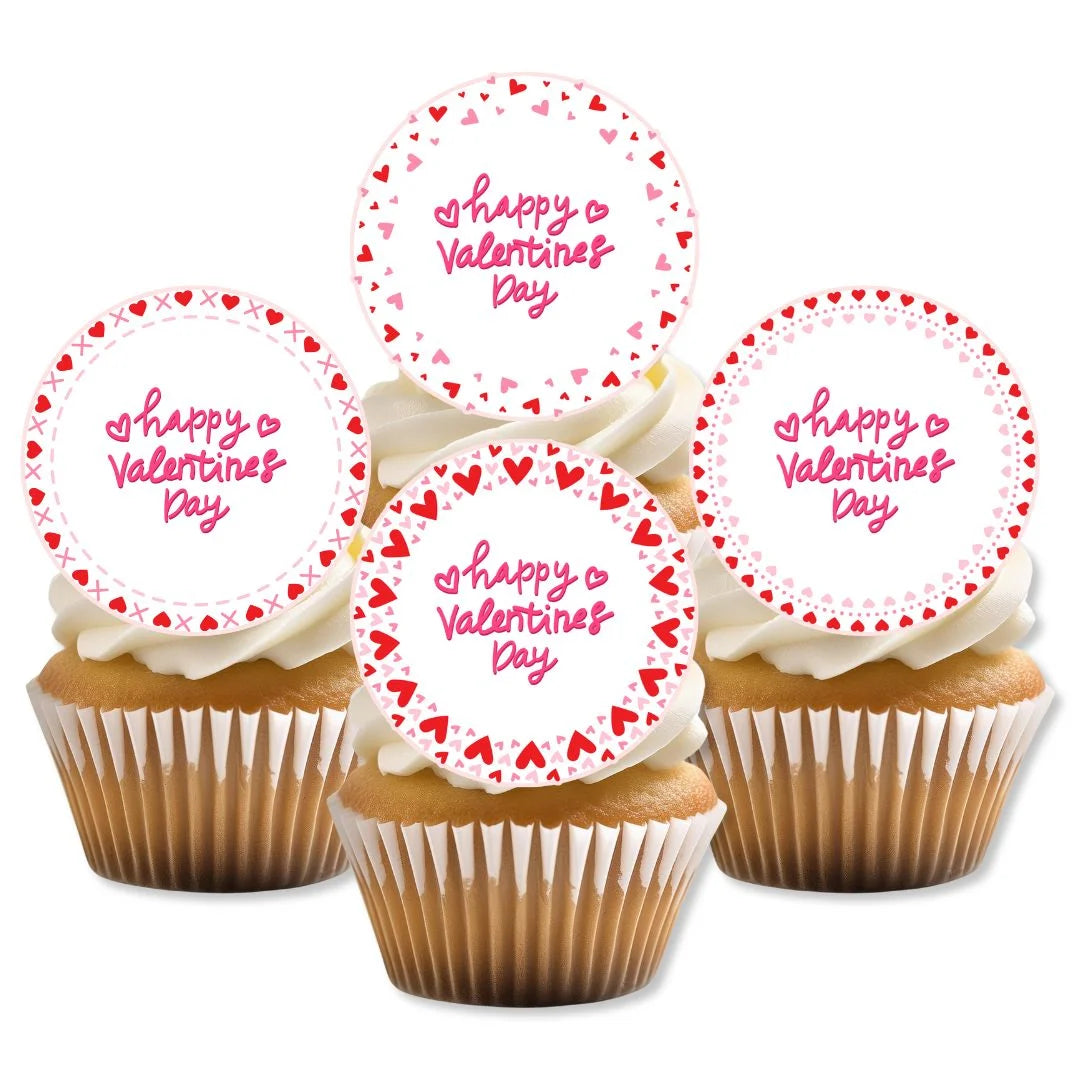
(527, 896)
(644, 429)
(203, 763)
(863, 763)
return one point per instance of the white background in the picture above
(930, 146)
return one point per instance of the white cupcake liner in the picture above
(202, 799)
(843, 800)
(507, 914)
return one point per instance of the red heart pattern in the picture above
(414, 333)
(384, 639)
(730, 523)
(68, 373)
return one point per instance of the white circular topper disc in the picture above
(195, 460)
(524, 614)
(864, 460)
(524, 246)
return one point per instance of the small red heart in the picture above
(384, 644)
(567, 477)
(97, 330)
(650, 679)
(311, 345)
(397, 548)
(381, 174)
(253, 613)
(665, 631)
(183, 297)
(161, 619)
(36, 495)
(53, 540)
(620, 717)
(435, 724)
(389, 333)
(428, 507)
(381, 593)
(43, 404)
(138, 308)
(609, 500)
(517, 470)
(469, 481)
(117, 603)
(81, 576)
(662, 581)
(404, 688)
(294, 590)
(644, 536)
(230, 301)
(481, 748)
(273, 317)
(530, 755)
(64, 363)
(208, 623)
(578, 745)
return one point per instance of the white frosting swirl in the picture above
(644, 428)
(315, 625)
(735, 624)
(678, 734)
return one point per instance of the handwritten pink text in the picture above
(881, 435)
(542, 586)
(215, 432)
(545, 218)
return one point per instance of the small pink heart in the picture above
(267, 425)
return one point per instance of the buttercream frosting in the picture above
(678, 735)
(735, 623)
(643, 429)
(315, 625)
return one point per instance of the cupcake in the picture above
(203, 763)
(643, 429)
(525, 896)
(863, 763)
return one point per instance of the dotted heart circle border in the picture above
(60, 536)
(588, 743)
(958, 337)
(663, 302)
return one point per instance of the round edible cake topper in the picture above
(524, 613)
(524, 245)
(195, 460)
(864, 460)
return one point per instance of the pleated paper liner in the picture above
(204, 799)
(510, 914)
(859, 801)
